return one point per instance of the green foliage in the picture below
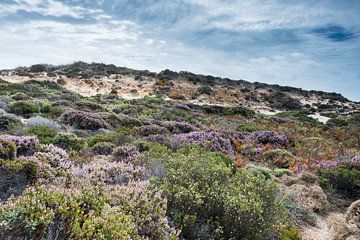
(208, 201)
(7, 150)
(9, 122)
(345, 178)
(248, 127)
(279, 157)
(280, 100)
(51, 111)
(23, 108)
(27, 167)
(84, 214)
(45, 134)
(103, 148)
(68, 141)
(120, 137)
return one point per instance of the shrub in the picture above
(208, 201)
(205, 90)
(149, 130)
(251, 128)
(8, 122)
(119, 137)
(20, 96)
(345, 178)
(255, 218)
(68, 141)
(23, 108)
(126, 153)
(7, 149)
(51, 111)
(43, 133)
(25, 145)
(265, 137)
(15, 176)
(52, 155)
(41, 121)
(113, 173)
(279, 158)
(37, 68)
(118, 121)
(86, 212)
(212, 141)
(84, 120)
(103, 148)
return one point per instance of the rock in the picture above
(347, 226)
(305, 190)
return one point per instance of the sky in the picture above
(312, 44)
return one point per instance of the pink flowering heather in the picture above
(355, 160)
(25, 145)
(211, 140)
(114, 173)
(126, 153)
(265, 137)
(327, 165)
(51, 154)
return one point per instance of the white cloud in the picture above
(46, 8)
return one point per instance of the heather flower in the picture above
(327, 165)
(126, 153)
(26, 145)
(355, 160)
(210, 140)
(51, 154)
(265, 137)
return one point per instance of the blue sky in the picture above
(302, 43)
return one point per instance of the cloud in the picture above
(288, 42)
(335, 33)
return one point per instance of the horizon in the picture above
(313, 46)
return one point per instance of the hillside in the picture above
(95, 151)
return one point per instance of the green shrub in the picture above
(279, 158)
(23, 108)
(45, 134)
(65, 213)
(9, 122)
(345, 178)
(103, 148)
(68, 141)
(51, 111)
(208, 201)
(7, 149)
(248, 127)
(118, 138)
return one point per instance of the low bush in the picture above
(25, 145)
(68, 141)
(208, 201)
(23, 108)
(41, 121)
(120, 137)
(126, 153)
(149, 130)
(86, 212)
(279, 158)
(103, 148)
(212, 141)
(45, 134)
(7, 149)
(265, 137)
(84, 120)
(251, 128)
(345, 178)
(8, 122)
